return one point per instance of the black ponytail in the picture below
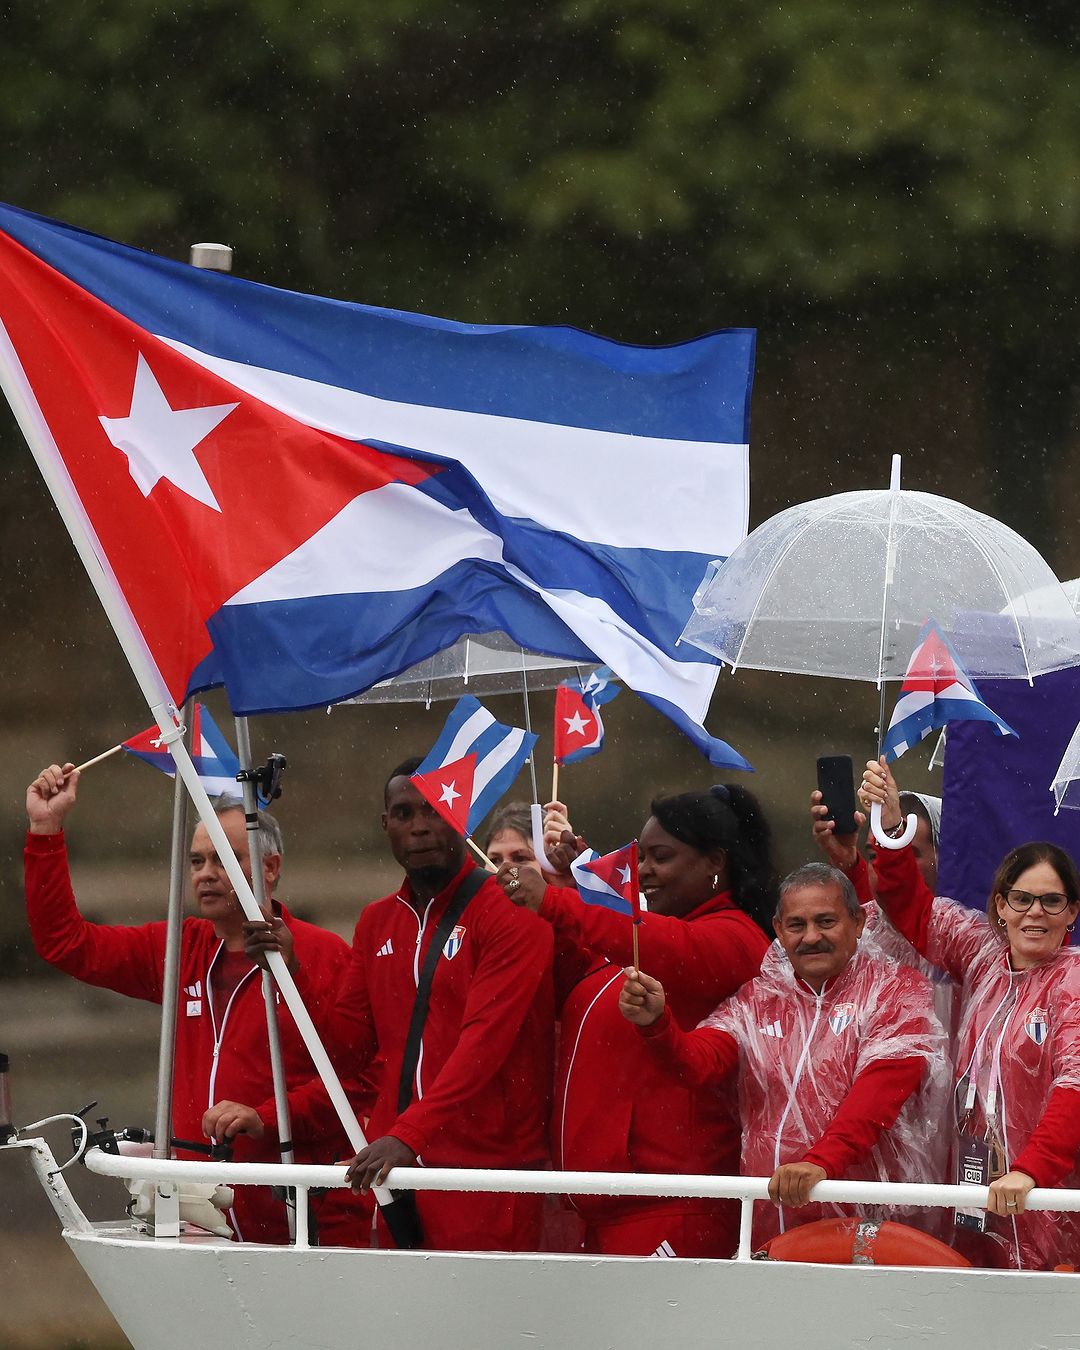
(728, 817)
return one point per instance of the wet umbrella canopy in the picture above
(492, 664)
(842, 586)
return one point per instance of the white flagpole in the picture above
(43, 447)
(174, 930)
(170, 980)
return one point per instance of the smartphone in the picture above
(836, 783)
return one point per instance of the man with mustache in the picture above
(835, 1048)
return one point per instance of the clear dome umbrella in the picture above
(491, 664)
(843, 585)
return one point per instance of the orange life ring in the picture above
(861, 1242)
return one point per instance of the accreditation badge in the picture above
(972, 1169)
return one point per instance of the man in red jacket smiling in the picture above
(479, 1091)
(222, 1047)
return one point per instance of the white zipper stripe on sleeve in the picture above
(570, 1066)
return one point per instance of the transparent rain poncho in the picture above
(842, 586)
(1019, 1039)
(800, 1053)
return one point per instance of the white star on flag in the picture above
(160, 440)
(624, 873)
(576, 725)
(448, 795)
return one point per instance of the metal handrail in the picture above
(528, 1182)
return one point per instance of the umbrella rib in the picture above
(1001, 582)
(889, 563)
(773, 571)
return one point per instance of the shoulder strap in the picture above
(454, 910)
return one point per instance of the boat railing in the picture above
(168, 1176)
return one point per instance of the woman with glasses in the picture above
(1017, 1090)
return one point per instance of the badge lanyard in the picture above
(980, 1161)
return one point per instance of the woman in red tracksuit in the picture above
(1017, 1088)
(706, 872)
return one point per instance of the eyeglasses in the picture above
(1053, 902)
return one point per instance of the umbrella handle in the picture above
(886, 840)
(537, 812)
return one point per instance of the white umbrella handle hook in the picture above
(886, 840)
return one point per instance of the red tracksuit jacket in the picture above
(1017, 1058)
(616, 1110)
(482, 1087)
(213, 1063)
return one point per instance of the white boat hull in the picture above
(169, 1295)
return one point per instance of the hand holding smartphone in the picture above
(836, 783)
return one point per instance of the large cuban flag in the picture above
(299, 497)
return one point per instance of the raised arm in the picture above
(841, 850)
(127, 960)
(696, 1058)
(707, 959)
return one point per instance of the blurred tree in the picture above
(903, 169)
(888, 190)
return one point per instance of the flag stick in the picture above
(98, 758)
(555, 780)
(528, 723)
(273, 1031)
(637, 961)
(170, 969)
(480, 853)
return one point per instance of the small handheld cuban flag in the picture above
(936, 690)
(471, 765)
(213, 757)
(579, 731)
(610, 879)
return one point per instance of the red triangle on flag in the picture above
(149, 741)
(619, 870)
(449, 790)
(575, 722)
(931, 668)
(176, 559)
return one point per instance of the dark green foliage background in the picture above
(889, 192)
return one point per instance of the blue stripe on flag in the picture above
(558, 375)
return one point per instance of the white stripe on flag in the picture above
(468, 734)
(496, 760)
(364, 540)
(604, 506)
